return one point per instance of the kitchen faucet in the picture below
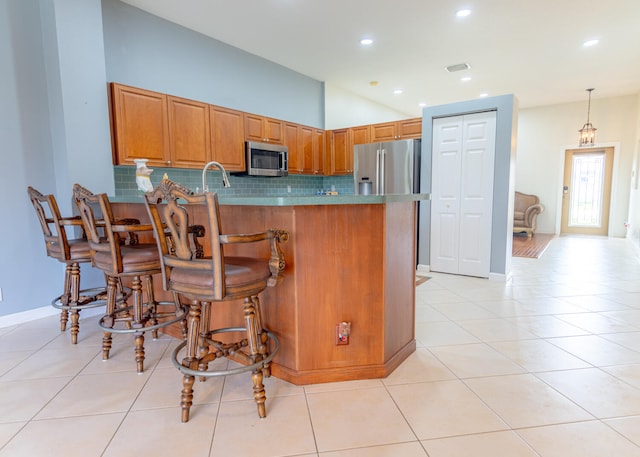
(225, 178)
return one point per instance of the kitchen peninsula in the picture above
(349, 259)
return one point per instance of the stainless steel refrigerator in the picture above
(387, 168)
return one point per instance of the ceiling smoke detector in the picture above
(457, 67)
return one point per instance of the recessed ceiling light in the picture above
(373, 83)
(466, 78)
(366, 41)
(463, 12)
(422, 104)
(588, 43)
(397, 91)
(484, 94)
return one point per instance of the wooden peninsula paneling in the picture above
(346, 262)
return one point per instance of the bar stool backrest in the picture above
(169, 216)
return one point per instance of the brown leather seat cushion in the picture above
(238, 271)
(138, 257)
(78, 250)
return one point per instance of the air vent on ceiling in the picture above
(458, 67)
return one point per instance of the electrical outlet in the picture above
(343, 330)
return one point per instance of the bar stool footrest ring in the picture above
(242, 369)
(88, 299)
(173, 320)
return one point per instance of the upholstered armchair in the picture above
(525, 211)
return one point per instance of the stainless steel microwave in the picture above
(266, 159)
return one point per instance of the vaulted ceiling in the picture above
(533, 50)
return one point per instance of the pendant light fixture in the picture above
(587, 134)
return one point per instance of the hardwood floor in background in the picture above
(532, 247)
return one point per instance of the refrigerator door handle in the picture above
(383, 162)
(378, 157)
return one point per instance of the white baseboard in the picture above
(500, 277)
(39, 313)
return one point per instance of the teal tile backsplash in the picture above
(125, 182)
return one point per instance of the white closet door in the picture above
(445, 193)
(462, 193)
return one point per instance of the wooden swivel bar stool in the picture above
(71, 252)
(212, 279)
(134, 261)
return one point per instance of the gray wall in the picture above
(54, 129)
(54, 113)
(504, 175)
(146, 51)
(26, 157)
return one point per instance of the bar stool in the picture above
(212, 279)
(133, 261)
(71, 252)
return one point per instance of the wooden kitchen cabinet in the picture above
(291, 141)
(140, 126)
(384, 132)
(399, 130)
(171, 131)
(361, 134)
(410, 128)
(306, 149)
(312, 144)
(227, 137)
(263, 129)
(319, 152)
(341, 152)
(189, 133)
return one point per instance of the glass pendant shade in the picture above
(587, 135)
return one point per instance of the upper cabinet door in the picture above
(409, 129)
(306, 149)
(319, 152)
(384, 132)
(361, 134)
(227, 137)
(253, 130)
(296, 160)
(189, 133)
(140, 126)
(263, 129)
(306, 145)
(399, 130)
(341, 152)
(274, 131)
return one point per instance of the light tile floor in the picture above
(547, 364)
